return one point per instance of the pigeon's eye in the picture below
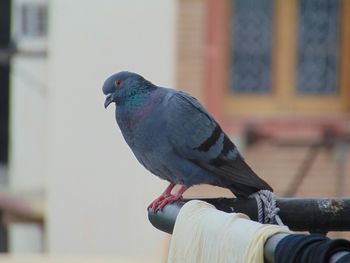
(117, 83)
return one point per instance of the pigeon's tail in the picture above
(250, 182)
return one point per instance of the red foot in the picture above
(158, 200)
(166, 198)
(169, 199)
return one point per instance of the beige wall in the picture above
(97, 191)
(28, 91)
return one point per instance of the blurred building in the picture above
(276, 74)
(273, 73)
(66, 152)
(29, 89)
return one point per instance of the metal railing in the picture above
(316, 215)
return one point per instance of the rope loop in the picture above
(267, 209)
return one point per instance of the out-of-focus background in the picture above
(275, 74)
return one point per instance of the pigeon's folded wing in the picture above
(196, 136)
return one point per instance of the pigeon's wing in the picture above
(196, 136)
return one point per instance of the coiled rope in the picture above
(267, 209)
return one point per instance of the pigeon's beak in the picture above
(109, 100)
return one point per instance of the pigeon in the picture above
(175, 138)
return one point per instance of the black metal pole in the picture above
(316, 215)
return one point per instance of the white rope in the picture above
(267, 209)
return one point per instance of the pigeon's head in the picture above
(124, 85)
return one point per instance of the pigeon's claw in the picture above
(167, 192)
(153, 206)
(169, 199)
(166, 198)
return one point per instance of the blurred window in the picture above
(33, 20)
(318, 45)
(267, 57)
(286, 56)
(251, 46)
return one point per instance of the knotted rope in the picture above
(267, 209)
